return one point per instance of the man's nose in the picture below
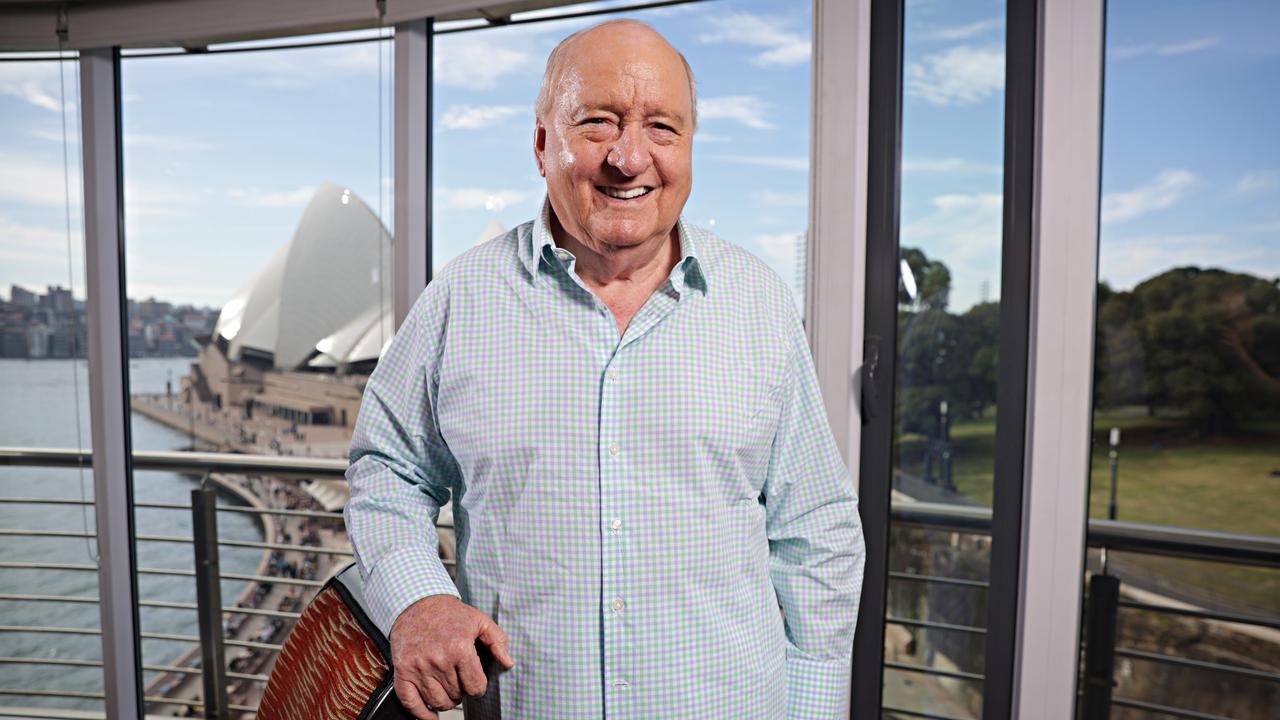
(631, 153)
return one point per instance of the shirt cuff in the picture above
(401, 579)
(816, 689)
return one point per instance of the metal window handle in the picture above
(870, 391)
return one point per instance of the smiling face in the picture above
(615, 143)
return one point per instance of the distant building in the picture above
(38, 340)
(13, 342)
(58, 299)
(22, 297)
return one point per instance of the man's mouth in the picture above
(624, 194)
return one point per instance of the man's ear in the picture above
(540, 146)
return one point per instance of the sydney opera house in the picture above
(315, 318)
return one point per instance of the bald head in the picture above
(611, 32)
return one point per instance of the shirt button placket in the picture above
(612, 483)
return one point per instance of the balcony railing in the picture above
(1108, 535)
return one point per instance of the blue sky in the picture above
(222, 152)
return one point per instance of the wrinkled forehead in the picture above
(656, 81)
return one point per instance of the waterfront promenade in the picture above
(315, 546)
(306, 559)
(251, 639)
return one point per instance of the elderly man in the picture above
(623, 409)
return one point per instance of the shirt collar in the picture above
(540, 247)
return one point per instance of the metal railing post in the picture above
(213, 667)
(1100, 647)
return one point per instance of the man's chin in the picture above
(624, 237)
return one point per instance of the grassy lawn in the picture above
(1167, 476)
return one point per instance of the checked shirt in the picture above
(632, 510)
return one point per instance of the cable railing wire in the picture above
(1144, 539)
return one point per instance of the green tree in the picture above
(942, 356)
(1201, 343)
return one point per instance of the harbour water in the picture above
(38, 409)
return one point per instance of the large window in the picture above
(46, 512)
(257, 210)
(750, 151)
(1186, 428)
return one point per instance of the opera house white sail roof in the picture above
(324, 298)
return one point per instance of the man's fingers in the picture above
(448, 679)
(411, 700)
(494, 637)
(436, 697)
(471, 676)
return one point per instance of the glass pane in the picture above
(948, 322)
(1186, 429)
(750, 158)
(44, 388)
(258, 199)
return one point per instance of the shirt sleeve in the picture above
(815, 545)
(400, 470)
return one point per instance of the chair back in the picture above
(335, 664)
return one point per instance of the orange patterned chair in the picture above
(336, 664)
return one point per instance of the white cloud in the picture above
(307, 68)
(38, 245)
(1257, 182)
(781, 162)
(473, 198)
(37, 83)
(748, 110)
(948, 166)
(780, 46)
(1182, 48)
(779, 251)
(474, 63)
(148, 199)
(771, 198)
(1126, 261)
(1266, 227)
(474, 117)
(29, 182)
(963, 32)
(1165, 190)
(254, 197)
(959, 75)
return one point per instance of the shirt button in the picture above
(616, 524)
(618, 605)
(562, 254)
(613, 374)
(614, 449)
(621, 684)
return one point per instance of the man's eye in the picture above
(595, 121)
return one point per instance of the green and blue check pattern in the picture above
(632, 510)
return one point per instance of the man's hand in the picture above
(433, 651)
